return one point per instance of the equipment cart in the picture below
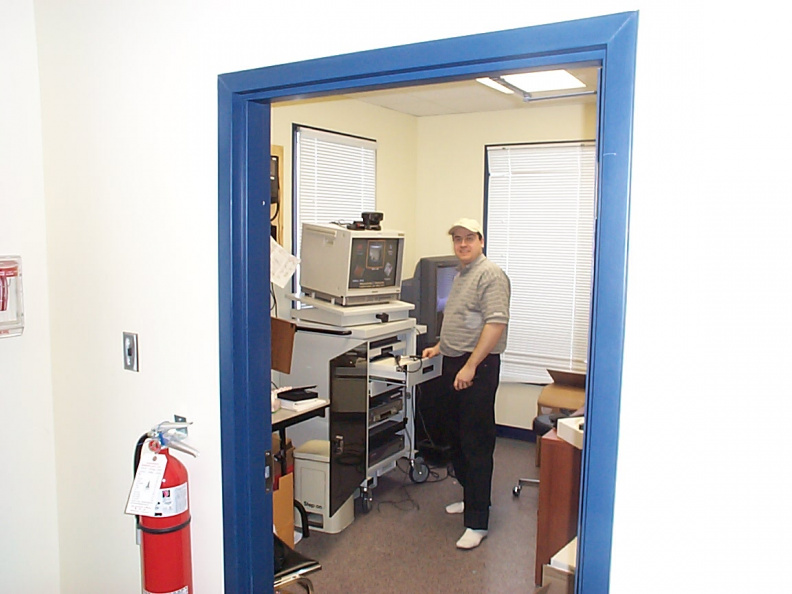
(368, 373)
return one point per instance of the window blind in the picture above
(540, 230)
(335, 178)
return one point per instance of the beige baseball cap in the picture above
(469, 224)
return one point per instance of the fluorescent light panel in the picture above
(551, 80)
(493, 84)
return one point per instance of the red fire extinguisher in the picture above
(164, 528)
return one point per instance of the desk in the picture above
(283, 498)
(283, 418)
(559, 494)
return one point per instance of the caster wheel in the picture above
(516, 490)
(419, 471)
(368, 502)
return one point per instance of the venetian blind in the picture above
(540, 230)
(335, 178)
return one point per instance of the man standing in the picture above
(472, 337)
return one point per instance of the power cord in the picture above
(405, 368)
(407, 503)
(274, 303)
(419, 414)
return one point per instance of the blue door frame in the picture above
(244, 100)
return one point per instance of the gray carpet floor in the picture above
(406, 543)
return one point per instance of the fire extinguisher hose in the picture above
(138, 449)
(136, 461)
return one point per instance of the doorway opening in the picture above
(244, 100)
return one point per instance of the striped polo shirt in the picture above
(480, 294)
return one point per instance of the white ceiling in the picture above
(471, 97)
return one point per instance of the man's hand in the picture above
(488, 338)
(430, 352)
(464, 379)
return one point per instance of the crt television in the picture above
(428, 290)
(350, 266)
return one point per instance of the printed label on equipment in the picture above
(171, 502)
(146, 486)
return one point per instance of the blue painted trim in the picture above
(244, 271)
(434, 59)
(606, 347)
(364, 81)
(243, 186)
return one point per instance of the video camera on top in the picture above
(371, 221)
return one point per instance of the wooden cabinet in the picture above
(559, 494)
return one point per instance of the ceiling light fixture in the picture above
(494, 84)
(533, 82)
(550, 80)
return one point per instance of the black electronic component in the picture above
(274, 180)
(428, 290)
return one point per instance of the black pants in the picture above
(471, 431)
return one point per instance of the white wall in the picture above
(129, 127)
(701, 498)
(28, 503)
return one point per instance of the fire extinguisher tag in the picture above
(145, 491)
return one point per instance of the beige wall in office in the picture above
(395, 134)
(430, 171)
(451, 159)
(451, 185)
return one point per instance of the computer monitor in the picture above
(351, 266)
(428, 290)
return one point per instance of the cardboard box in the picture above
(283, 509)
(568, 391)
(282, 343)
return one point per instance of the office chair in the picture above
(541, 425)
(291, 568)
(560, 399)
(304, 530)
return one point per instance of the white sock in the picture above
(471, 538)
(455, 508)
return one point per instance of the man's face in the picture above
(467, 245)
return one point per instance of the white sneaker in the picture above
(471, 538)
(455, 508)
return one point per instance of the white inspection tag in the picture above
(145, 490)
